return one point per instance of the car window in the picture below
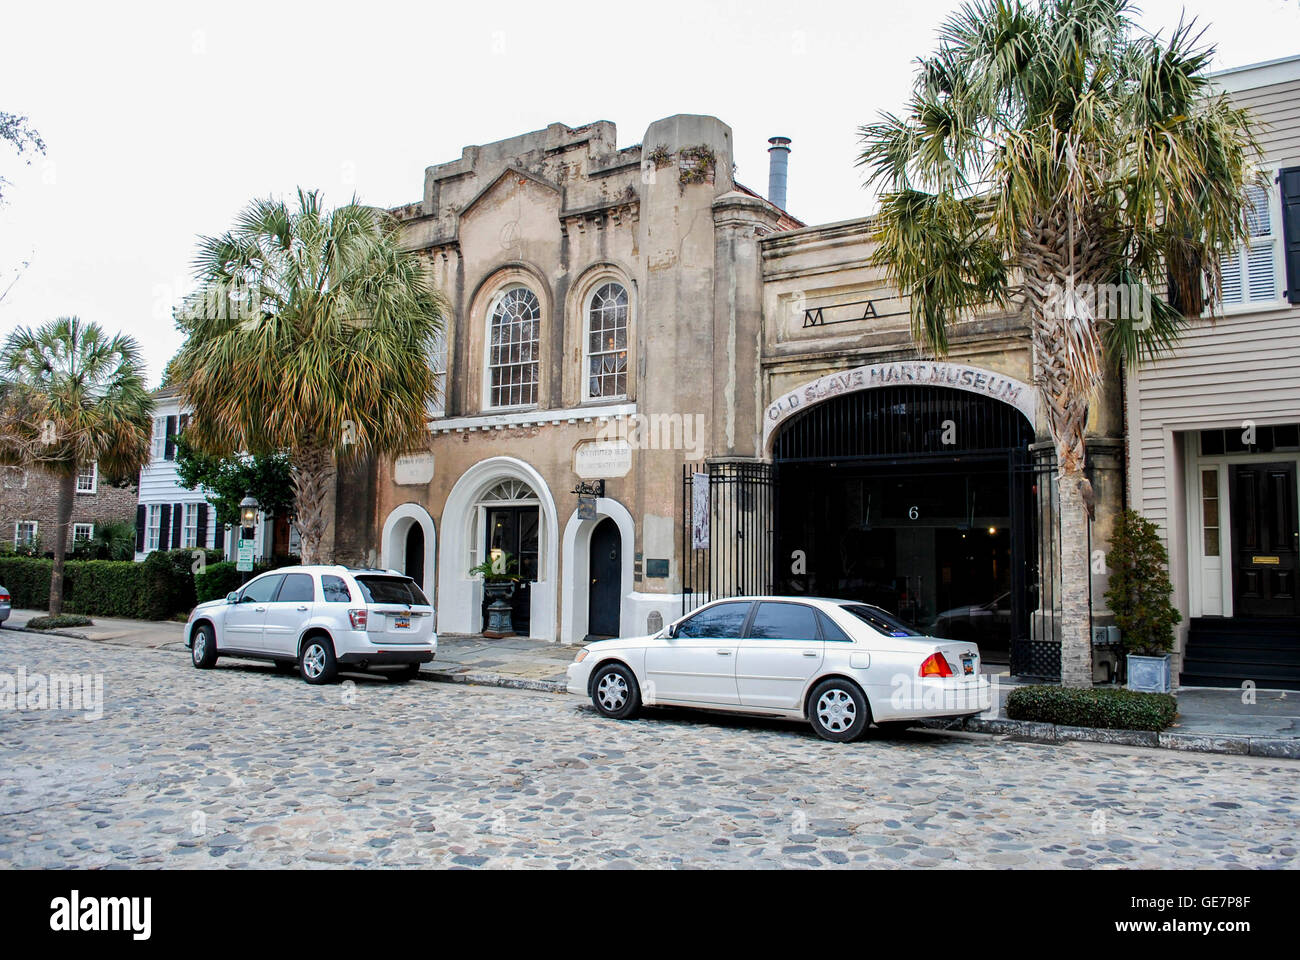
(262, 589)
(830, 631)
(391, 590)
(297, 588)
(723, 621)
(784, 621)
(335, 589)
(879, 620)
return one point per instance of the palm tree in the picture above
(70, 396)
(309, 335)
(1049, 153)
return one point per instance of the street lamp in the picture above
(248, 512)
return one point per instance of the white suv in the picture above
(321, 619)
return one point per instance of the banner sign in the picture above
(699, 511)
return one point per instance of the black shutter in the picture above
(183, 423)
(165, 528)
(140, 513)
(169, 453)
(1289, 180)
(203, 525)
(178, 525)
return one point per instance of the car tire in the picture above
(316, 662)
(838, 710)
(203, 647)
(405, 673)
(614, 692)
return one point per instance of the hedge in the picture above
(1109, 708)
(156, 589)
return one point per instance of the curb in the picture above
(494, 680)
(1282, 748)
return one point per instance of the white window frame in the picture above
(1273, 195)
(153, 528)
(94, 478)
(587, 395)
(89, 535)
(438, 361)
(159, 446)
(487, 350)
(190, 526)
(18, 540)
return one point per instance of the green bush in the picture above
(1110, 709)
(216, 581)
(28, 581)
(103, 588)
(1139, 589)
(54, 623)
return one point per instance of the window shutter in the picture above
(140, 512)
(169, 452)
(203, 525)
(165, 527)
(178, 525)
(1230, 266)
(183, 423)
(1289, 179)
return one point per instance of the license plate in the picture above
(968, 665)
(404, 623)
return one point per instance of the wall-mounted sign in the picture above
(599, 459)
(587, 508)
(901, 373)
(413, 469)
(656, 569)
(854, 310)
(699, 511)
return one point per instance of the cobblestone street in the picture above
(241, 766)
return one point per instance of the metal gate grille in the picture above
(737, 514)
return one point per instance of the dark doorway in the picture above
(1265, 539)
(605, 590)
(414, 565)
(911, 498)
(514, 531)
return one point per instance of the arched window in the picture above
(514, 348)
(605, 350)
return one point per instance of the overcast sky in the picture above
(163, 120)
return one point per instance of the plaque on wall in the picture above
(413, 469)
(656, 569)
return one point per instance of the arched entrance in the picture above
(501, 504)
(599, 574)
(913, 498)
(408, 544)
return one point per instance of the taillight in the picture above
(936, 665)
(358, 618)
(4, 598)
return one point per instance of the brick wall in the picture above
(37, 499)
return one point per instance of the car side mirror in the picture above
(670, 631)
(232, 596)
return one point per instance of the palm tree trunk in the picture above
(67, 494)
(313, 481)
(1076, 599)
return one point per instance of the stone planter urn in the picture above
(1149, 674)
(500, 622)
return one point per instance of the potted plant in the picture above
(1139, 597)
(500, 576)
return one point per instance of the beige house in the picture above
(1214, 430)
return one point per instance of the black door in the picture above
(605, 590)
(514, 530)
(414, 566)
(1265, 539)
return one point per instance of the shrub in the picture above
(1139, 586)
(156, 589)
(104, 588)
(54, 623)
(216, 581)
(27, 580)
(1112, 709)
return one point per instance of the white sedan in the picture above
(838, 664)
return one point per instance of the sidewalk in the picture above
(1209, 720)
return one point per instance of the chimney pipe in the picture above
(779, 158)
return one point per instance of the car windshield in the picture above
(879, 620)
(391, 590)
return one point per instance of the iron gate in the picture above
(736, 512)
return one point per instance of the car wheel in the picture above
(316, 663)
(838, 710)
(203, 647)
(408, 672)
(615, 693)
